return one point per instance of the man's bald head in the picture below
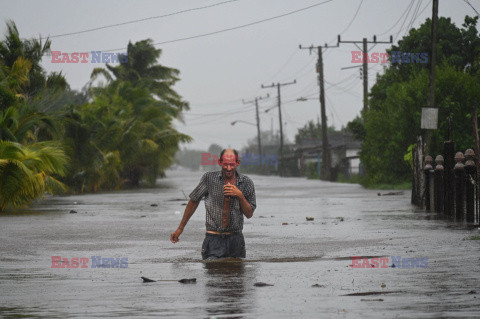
(229, 152)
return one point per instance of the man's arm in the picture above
(245, 207)
(189, 210)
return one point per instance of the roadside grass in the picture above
(356, 179)
(473, 238)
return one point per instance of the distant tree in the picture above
(311, 131)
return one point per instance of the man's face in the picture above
(229, 164)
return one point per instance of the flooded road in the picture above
(307, 262)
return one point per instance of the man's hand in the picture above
(232, 190)
(174, 236)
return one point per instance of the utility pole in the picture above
(365, 63)
(433, 60)
(278, 85)
(258, 120)
(326, 166)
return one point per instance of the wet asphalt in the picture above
(307, 262)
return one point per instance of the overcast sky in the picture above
(219, 70)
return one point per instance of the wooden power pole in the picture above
(278, 85)
(433, 62)
(365, 64)
(259, 140)
(326, 166)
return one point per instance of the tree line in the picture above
(55, 139)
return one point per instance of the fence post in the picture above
(428, 191)
(439, 199)
(459, 170)
(470, 178)
(448, 182)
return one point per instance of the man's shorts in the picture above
(222, 245)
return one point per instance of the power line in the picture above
(348, 26)
(232, 28)
(303, 68)
(472, 7)
(395, 24)
(140, 20)
(414, 17)
(353, 19)
(284, 65)
(404, 20)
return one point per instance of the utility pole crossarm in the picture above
(374, 40)
(365, 61)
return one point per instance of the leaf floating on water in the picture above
(261, 284)
(145, 279)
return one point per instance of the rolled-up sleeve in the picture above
(250, 194)
(200, 191)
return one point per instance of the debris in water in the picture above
(472, 292)
(261, 284)
(188, 281)
(145, 279)
(390, 194)
(183, 281)
(284, 223)
(154, 205)
(309, 218)
(379, 299)
(369, 293)
(383, 285)
(73, 211)
(318, 286)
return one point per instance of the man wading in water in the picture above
(228, 196)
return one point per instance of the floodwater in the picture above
(307, 262)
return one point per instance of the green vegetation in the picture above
(392, 123)
(474, 238)
(54, 139)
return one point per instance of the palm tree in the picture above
(143, 70)
(28, 166)
(41, 89)
(27, 172)
(137, 108)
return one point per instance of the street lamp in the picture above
(326, 156)
(240, 121)
(303, 99)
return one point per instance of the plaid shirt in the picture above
(210, 188)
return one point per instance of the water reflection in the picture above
(229, 288)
